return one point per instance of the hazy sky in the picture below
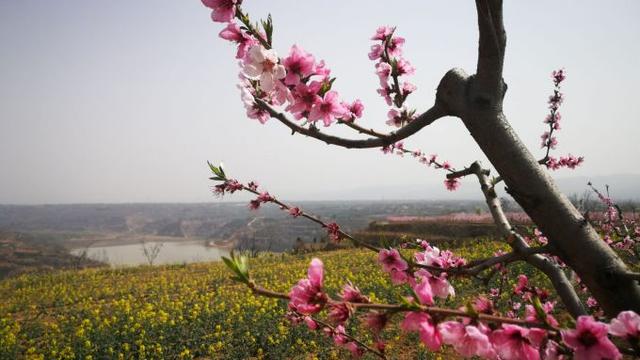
(124, 101)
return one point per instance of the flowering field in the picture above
(189, 311)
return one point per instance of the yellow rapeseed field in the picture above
(186, 311)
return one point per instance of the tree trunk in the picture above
(477, 100)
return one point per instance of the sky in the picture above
(125, 101)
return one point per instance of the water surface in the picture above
(170, 253)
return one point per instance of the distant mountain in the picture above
(622, 187)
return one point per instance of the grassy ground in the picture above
(193, 311)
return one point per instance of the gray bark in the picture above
(477, 100)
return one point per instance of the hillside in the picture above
(189, 311)
(81, 225)
(21, 253)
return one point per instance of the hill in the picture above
(20, 253)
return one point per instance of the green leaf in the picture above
(537, 304)
(268, 29)
(229, 263)
(239, 265)
(470, 310)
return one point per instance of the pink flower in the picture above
(247, 94)
(438, 286)
(376, 51)
(589, 340)
(404, 67)
(553, 118)
(395, 118)
(307, 296)
(376, 321)
(391, 260)
(322, 69)
(558, 77)
(383, 70)
(353, 110)
(540, 236)
(386, 149)
(430, 255)
(265, 197)
(327, 109)
(399, 277)
(339, 335)
(407, 88)
(385, 92)
(422, 323)
(553, 163)
(223, 10)
(551, 352)
(523, 282)
(253, 185)
(468, 340)
(233, 33)
(423, 290)
(254, 204)
(626, 325)
(355, 349)
(263, 64)
(339, 312)
(280, 94)
(299, 64)
(305, 97)
(441, 286)
(311, 324)
(395, 46)
(382, 33)
(333, 230)
(514, 342)
(233, 185)
(548, 140)
(295, 211)
(256, 112)
(571, 161)
(452, 184)
(530, 314)
(352, 294)
(556, 100)
(483, 305)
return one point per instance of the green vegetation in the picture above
(195, 311)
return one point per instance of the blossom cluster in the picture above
(390, 67)
(232, 185)
(297, 81)
(399, 149)
(553, 121)
(468, 335)
(618, 231)
(476, 329)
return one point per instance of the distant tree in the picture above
(564, 241)
(151, 251)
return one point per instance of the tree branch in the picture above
(428, 117)
(557, 276)
(477, 266)
(432, 310)
(491, 46)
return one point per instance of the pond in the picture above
(169, 253)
